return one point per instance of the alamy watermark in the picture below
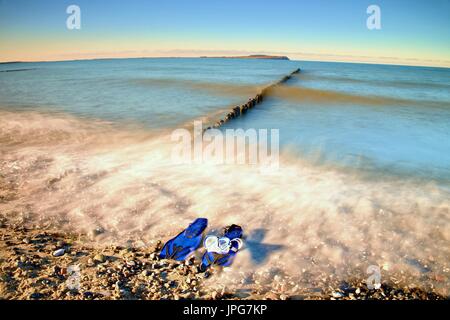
(374, 280)
(73, 21)
(73, 281)
(235, 146)
(374, 20)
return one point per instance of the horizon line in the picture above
(224, 57)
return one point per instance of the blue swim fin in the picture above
(180, 247)
(221, 251)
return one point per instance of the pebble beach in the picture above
(41, 264)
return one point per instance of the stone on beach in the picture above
(59, 252)
(99, 258)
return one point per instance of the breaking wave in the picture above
(324, 97)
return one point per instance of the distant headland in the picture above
(253, 56)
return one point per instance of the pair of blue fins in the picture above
(219, 250)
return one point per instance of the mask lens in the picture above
(210, 242)
(224, 243)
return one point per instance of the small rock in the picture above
(58, 252)
(271, 296)
(99, 258)
(97, 231)
(36, 295)
(337, 294)
(88, 295)
(63, 271)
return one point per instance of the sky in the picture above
(413, 32)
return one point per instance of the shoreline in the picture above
(34, 267)
(199, 57)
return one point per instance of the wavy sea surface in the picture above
(364, 176)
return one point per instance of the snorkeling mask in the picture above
(222, 245)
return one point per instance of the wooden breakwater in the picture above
(238, 111)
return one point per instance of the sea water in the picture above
(364, 170)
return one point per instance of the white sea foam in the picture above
(303, 221)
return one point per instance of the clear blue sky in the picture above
(413, 32)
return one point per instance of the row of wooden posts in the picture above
(252, 102)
